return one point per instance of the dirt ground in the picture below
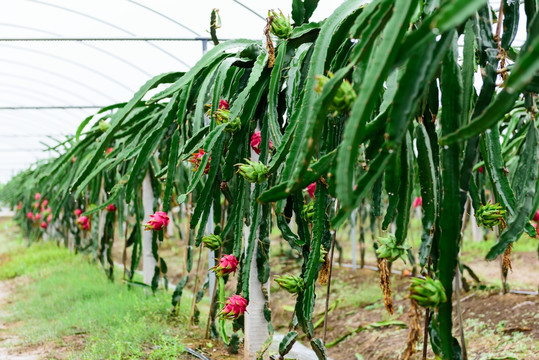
(10, 348)
(482, 312)
(525, 274)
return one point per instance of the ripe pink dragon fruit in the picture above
(255, 142)
(37, 216)
(481, 170)
(36, 205)
(235, 306)
(19, 205)
(43, 224)
(223, 104)
(227, 264)
(196, 159)
(311, 189)
(536, 216)
(44, 203)
(158, 221)
(111, 208)
(109, 150)
(77, 212)
(30, 215)
(49, 218)
(417, 202)
(37, 196)
(83, 222)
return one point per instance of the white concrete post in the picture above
(256, 326)
(71, 238)
(477, 232)
(211, 256)
(170, 226)
(353, 238)
(148, 261)
(101, 228)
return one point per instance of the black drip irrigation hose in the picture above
(196, 354)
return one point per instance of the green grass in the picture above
(76, 298)
(34, 260)
(481, 248)
(64, 295)
(361, 294)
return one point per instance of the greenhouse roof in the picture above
(63, 60)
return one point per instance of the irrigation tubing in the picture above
(196, 354)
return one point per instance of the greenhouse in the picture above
(293, 179)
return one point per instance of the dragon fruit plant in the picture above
(357, 112)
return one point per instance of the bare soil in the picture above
(525, 274)
(11, 346)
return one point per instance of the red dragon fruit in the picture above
(158, 221)
(227, 264)
(235, 306)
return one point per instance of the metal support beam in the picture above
(52, 107)
(102, 21)
(106, 39)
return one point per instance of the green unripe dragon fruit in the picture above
(427, 292)
(222, 116)
(233, 126)
(323, 253)
(212, 242)
(104, 126)
(390, 250)
(308, 211)
(490, 215)
(292, 284)
(343, 99)
(253, 172)
(280, 25)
